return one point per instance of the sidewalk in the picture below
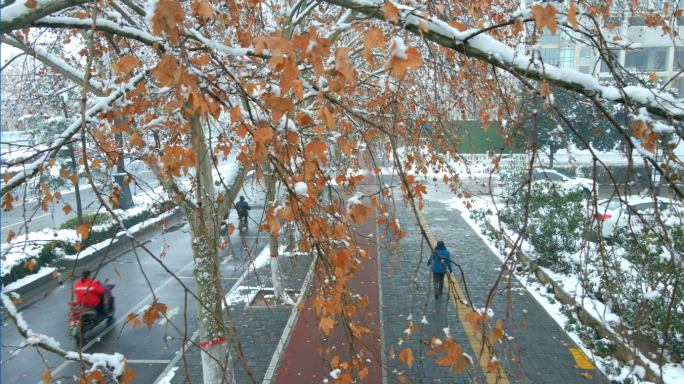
(259, 327)
(545, 350)
(538, 351)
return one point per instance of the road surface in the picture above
(147, 351)
(36, 219)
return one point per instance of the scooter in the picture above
(83, 318)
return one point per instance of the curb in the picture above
(623, 350)
(118, 243)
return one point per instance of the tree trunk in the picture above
(552, 150)
(77, 190)
(271, 183)
(217, 365)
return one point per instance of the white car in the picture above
(615, 214)
(565, 182)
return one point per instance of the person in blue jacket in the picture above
(438, 267)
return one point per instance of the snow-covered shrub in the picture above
(555, 218)
(94, 219)
(556, 224)
(647, 286)
(103, 231)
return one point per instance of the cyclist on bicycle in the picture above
(242, 207)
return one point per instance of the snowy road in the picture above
(38, 219)
(147, 351)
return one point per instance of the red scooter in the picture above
(83, 318)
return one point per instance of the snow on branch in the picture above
(486, 48)
(100, 104)
(220, 47)
(102, 25)
(57, 64)
(17, 16)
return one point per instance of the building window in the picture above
(547, 36)
(613, 59)
(678, 84)
(635, 21)
(679, 63)
(647, 59)
(584, 69)
(567, 57)
(585, 52)
(549, 56)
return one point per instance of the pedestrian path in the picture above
(534, 348)
(538, 351)
(259, 328)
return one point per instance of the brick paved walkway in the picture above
(259, 328)
(537, 353)
(545, 357)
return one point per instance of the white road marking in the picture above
(148, 361)
(121, 319)
(168, 314)
(32, 218)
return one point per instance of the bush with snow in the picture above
(45, 248)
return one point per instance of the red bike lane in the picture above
(303, 362)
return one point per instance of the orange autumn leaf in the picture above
(203, 60)
(493, 364)
(263, 134)
(297, 89)
(316, 151)
(83, 231)
(319, 130)
(168, 17)
(326, 325)
(10, 236)
(126, 64)
(572, 15)
(31, 264)
(495, 335)
(325, 115)
(235, 114)
(279, 106)
(276, 45)
(373, 38)
(400, 62)
(342, 65)
(407, 357)
(363, 373)
(545, 17)
(67, 209)
(391, 12)
(203, 9)
(460, 26)
(473, 318)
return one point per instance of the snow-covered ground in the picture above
(28, 246)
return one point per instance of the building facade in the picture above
(638, 48)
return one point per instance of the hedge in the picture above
(58, 249)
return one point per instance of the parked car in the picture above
(565, 182)
(615, 214)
